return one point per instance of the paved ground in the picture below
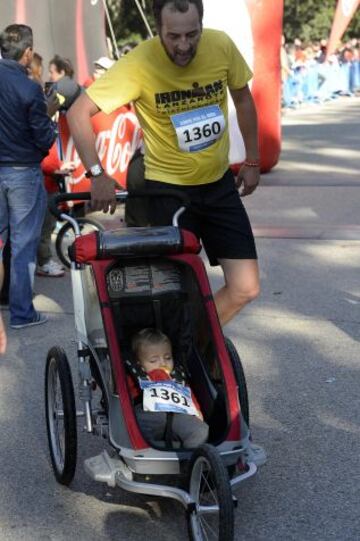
(300, 346)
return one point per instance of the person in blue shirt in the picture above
(26, 135)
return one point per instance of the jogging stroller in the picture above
(122, 281)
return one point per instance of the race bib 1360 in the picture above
(199, 128)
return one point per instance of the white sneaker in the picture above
(51, 268)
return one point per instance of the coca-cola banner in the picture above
(118, 135)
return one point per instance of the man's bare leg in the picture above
(2, 328)
(242, 285)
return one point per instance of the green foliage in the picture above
(311, 20)
(127, 21)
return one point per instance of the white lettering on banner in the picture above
(348, 6)
(110, 144)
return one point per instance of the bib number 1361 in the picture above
(167, 396)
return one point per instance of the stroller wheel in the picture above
(240, 380)
(66, 237)
(60, 416)
(209, 486)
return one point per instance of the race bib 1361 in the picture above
(167, 396)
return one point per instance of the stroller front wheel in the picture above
(60, 416)
(209, 486)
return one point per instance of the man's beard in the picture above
(174, 56)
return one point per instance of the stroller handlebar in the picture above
(121, 197)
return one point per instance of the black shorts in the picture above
(217, 216)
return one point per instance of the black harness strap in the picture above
(168, 432)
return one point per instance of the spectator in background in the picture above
(60, 67)
(51, 166)
(101, 65)
(36, 69)
(26, 134)
(61, 72)
(46, 266)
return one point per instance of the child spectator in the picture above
(164, 390)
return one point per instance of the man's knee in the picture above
(251, 293)
(241, 280)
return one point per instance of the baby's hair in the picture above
(147, 336)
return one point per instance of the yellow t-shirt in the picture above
(182, 110)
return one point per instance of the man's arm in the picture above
(3, 339)
(249, 175)
(79, 120)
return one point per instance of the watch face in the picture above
(96, 170)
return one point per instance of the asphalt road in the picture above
(300, 347)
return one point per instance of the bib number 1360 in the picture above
(198, 129)
(206, 131)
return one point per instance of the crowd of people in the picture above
(309, 75)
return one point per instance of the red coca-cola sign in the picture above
(118, 135)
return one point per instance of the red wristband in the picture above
(250, 163)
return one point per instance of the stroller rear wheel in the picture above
(240, 380)
(60, 416)
(209, 486)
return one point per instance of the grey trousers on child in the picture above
(188, 430)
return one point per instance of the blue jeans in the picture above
(22, 210)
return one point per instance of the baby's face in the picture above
(155, 356)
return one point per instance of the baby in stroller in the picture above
(166, 409)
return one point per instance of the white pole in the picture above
(144, 18)
(111, 29)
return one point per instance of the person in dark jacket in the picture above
(26, 134)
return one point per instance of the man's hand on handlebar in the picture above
(103, 193)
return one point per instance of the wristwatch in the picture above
(94, 171)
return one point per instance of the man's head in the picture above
(16, 43)
(179, 25)
(152, 350)
(59, 67)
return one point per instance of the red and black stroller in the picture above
(123, 281)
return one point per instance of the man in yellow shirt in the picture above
(178, 82)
